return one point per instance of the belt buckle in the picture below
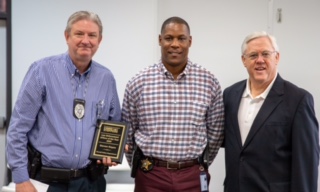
(171, 162)
(74, 173)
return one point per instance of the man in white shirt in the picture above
(271, 132)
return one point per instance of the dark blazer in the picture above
(281, 152)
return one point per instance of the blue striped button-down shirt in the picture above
(174, 119)
(43, 113)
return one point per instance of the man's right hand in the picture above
(26, 186)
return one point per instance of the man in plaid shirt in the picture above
(174, 110)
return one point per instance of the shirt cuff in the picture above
(20, 175)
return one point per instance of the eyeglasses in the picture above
(264, 54)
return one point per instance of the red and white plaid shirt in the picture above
(173, 120)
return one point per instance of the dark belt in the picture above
(175, 164)
(56, 174)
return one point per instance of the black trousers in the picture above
(82, 184)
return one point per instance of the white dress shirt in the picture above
(249, 108)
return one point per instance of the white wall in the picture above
(129, 34)
(131, 30)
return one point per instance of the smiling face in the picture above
(261, 61)
(175, 41)
(83, 41)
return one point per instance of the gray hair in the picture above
(256, 35)
(83, 15)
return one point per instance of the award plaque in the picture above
(109, 140)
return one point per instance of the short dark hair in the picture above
(174, 20)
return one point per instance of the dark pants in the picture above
(161, 179)
(82, 184)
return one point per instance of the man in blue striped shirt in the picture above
(56, 112)
(175, 110)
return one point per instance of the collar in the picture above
(163, 70)
(72, 68)
(263, 95)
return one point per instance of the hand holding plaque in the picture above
(109, 140)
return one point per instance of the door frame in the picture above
(7, 17)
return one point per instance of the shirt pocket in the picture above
(98, 110)
(196, 112)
